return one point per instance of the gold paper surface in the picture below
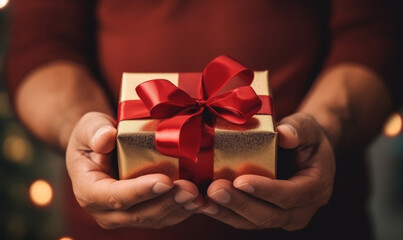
(238, 149)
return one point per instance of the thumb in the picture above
(298, 130)
(288, 136)
(104, 139)
(96, 132)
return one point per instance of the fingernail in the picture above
(221, 196)
(161, 188)
(212, 209)
(290, 127)
(183, 196)
(191, 206)
(246, 187)
(101, 131)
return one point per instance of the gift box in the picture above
(197, 126)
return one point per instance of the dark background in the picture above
(23, 160)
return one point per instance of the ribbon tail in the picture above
(180, 136)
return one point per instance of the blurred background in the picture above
(30, 175)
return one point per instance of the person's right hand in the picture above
(150, 201)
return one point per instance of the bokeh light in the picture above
(3, 3)
(17, 149)
(41, 193)
(66, 238)
(393, 126)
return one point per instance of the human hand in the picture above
(150, 201)
(256, 202)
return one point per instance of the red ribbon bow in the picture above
(225, 92)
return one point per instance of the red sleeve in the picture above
(45, 30)
(365, 32)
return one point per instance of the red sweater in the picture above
(295, 40)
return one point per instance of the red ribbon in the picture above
(188, 126)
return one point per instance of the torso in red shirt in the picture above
(179, 36)
(289, 38)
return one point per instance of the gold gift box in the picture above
(249, 148)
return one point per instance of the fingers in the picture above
(175, 217)
(258, 212)
(289, 204)
(93, 137)
(107, 193)
(186, 209)
(243, 211)
(159, 212)
(147, 201)
(298, 191)
(227, 216)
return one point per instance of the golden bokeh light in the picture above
(17, 149)
(393, 126)
(66, 238)
(41, 193)
(3, 3)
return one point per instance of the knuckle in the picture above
(139, 220)
(84, 202)
(113, 202)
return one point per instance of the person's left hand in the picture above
(256, 202)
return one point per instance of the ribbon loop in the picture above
(163, 99)
(224, 74)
